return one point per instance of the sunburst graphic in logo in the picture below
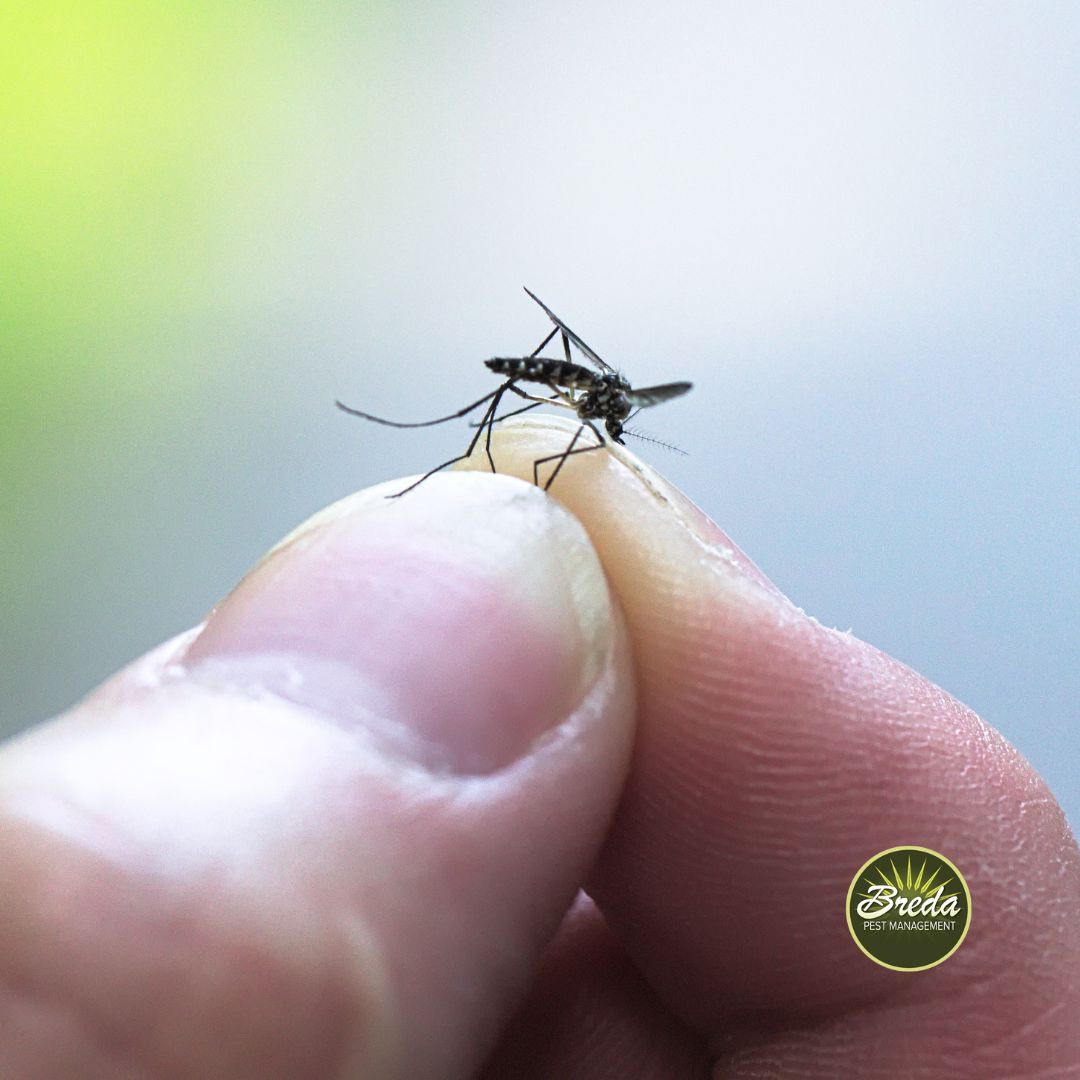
(906, 886)
(908, 908)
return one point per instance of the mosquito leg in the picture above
(564, 456)
(488, 419)
(551, 457)
(487, 441)
(566, 346)
(495, 396)
(515, 412)
(424, 423)
(429, 473)
(544, 342)
(453, 416)
(568, 452)
(596, 431)
(536, 403)
(490, 424)
(559, 397)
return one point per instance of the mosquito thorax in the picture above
(607, 401)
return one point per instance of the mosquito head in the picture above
(615, 429)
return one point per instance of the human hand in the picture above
(332, 832)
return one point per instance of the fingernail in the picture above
(453, 626)
(523, 439)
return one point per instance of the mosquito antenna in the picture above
(423, 423)
(656, 442)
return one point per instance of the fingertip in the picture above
(471, 614)
(773, 757)
(645, 529)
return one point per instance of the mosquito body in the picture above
(605, 395)
(593, 395)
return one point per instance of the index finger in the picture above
(774, 757)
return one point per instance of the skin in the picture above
(347, 827)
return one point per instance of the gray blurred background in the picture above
(856, 228)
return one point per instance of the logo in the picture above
(908, 908)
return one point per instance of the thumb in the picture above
(328, 832)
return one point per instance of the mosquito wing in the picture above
(601, 364)
(653, 395)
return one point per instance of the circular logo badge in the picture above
(908, 908)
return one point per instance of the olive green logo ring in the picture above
(908, 908)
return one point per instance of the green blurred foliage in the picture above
(131, 135)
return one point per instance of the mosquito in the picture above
(603, 394)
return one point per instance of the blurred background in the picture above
(855, 226)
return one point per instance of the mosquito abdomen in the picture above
(537, 369)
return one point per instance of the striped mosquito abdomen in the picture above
(541, 370)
